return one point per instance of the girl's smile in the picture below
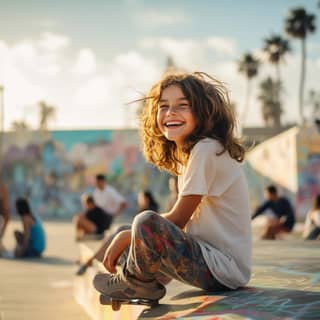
(174, 117)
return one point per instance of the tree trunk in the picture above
(302, 80)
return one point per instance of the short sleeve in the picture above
(207, 172)
(199, 173)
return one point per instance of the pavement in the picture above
(285, 284)
(41, 288)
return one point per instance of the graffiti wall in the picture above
(54, 168)
(290, 160)
(308, 144)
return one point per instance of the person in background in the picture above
(145, 201)
(4, 214)
(311, 229)
(281, 217)
(31, 241)
(94, 221)
(108, 198)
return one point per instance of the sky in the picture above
(88, 59)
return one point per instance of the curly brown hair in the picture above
(210, 105)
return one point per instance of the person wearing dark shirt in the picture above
(93, 221)
(283, 217)
(146, 201)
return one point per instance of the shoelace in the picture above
(115, 279)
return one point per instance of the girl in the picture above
(187, 128)
(31, 241)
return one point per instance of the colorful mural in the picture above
(54, 168)
(291, 160)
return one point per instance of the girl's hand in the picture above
(120, 242)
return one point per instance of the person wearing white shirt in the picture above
(107, 197)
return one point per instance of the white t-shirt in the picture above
(221, 223)
(108, 199)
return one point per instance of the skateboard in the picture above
(116, 302)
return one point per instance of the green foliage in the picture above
(270, 104)
(299, 23)
(249, 65)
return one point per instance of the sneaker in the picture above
(125, 286)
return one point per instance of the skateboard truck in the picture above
(117, 302)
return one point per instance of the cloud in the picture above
(89, 92)
(221, 45)
(85, 62)
(103, 98)
(53, 42)
(152, 18)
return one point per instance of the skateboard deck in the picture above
(116, 302)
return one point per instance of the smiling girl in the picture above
(187, 128)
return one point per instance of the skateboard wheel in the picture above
(116, 305)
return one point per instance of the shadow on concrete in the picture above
(247, 303)
(49, 260)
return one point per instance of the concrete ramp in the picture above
(285, 285)
(291, 160)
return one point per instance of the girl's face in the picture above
(174, 116)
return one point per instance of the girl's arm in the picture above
(26, 223)
(183, 209)
(119, 243)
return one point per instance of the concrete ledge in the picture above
(88, 297)
(285, 284)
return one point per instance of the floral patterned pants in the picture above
(160, 248)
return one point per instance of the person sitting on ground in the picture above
(281, 217)
(311, 229)
(108, 198)
(146, 201)
(30, 242)
(4, 214)
(94, 221)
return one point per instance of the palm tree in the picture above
(271, 107)
(248, 66)
(276, 47)
(46, 113)
(298, 24)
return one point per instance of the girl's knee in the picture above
(144, 218)
(122, 228)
